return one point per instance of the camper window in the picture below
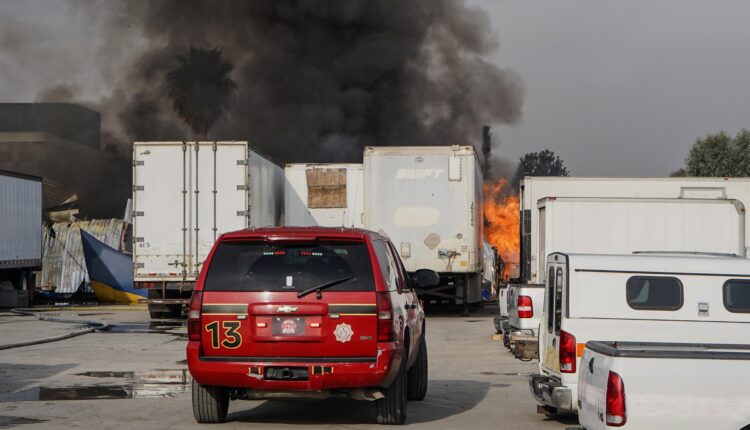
(654, 293)
(737, 295)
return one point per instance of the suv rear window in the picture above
(259, 266)
(654, 293)
(737, 295)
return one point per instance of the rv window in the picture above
(654, 293)
(558, 299)
(737, 295)
(550, 301)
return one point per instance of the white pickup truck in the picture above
(652, 385)
(525, 306)
(678, 298)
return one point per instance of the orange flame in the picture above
(502, 225)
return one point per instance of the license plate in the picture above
(288, 326)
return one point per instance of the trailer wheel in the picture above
(417, 375)
(210, 404)
(391, 409)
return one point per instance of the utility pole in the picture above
(486, 149)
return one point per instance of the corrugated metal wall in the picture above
(63, 263)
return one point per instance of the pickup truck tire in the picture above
(417, 375)
(210, 404)
(391, 409)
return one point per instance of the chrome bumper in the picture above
(550, 392)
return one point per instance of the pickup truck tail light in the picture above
(525, 307)
(616, 416)
(194, 316)
(385, 317)
(567, 352)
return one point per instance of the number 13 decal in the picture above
(233, 338)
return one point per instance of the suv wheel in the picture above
(391, 409)
(210, 404)
(417, 375)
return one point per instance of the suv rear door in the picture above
(251, 310)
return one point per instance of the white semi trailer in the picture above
(328, 195)
(186, 194)
(535, 188)
(20, 237)
(428, 200)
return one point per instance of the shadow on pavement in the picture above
(445, 398)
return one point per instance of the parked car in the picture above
(307, 312)
(525, 305)
(630, 298)
(699, 386)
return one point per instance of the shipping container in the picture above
(328, 195)
(186, 194)
(428, 200)
(20, 236)
(533, 189)
(628, 225)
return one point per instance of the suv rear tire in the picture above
(210, 404)
(391, 409)
(417, 375)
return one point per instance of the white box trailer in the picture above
(628, 225)
(328, 195)
(186, 194)
(428, 200)
(533, 189)
(20, 236)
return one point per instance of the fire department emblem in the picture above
(343, 332)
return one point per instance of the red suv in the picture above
(306, 312)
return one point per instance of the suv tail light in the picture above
(616, 416)
(385, 317)
(525, 307)
(194, 316)
(567, 352)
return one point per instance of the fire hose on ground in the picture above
(92, 326)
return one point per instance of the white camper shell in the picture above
(428, 201)
(328, 195)
(634, 298)
(533, 189)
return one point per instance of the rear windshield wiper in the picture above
(324, 285)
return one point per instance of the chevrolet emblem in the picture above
(287, 309)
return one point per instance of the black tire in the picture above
(417, 376)
(210, 404)
(391, 409)
(154, 314)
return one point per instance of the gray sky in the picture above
(623, 88)
(616, 88)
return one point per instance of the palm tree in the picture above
(200, 88)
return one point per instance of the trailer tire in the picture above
(154, 314)
(418, 374)
(210, 404)
(391, 409)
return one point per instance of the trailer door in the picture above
(219, 194)
(160, 209)
(553, 314)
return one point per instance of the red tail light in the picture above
(194, 316)
(567, 352)
(385, 317)
(616, 416)
(525, 307)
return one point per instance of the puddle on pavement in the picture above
(8, 422)
(146, 384)
(473, 320)
(177, 328)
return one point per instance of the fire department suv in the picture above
(306, 312)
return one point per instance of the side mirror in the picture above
(427, 278)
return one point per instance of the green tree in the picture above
(200, 88)
(719, 155)
(543, 163)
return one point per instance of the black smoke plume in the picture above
(319, 80)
